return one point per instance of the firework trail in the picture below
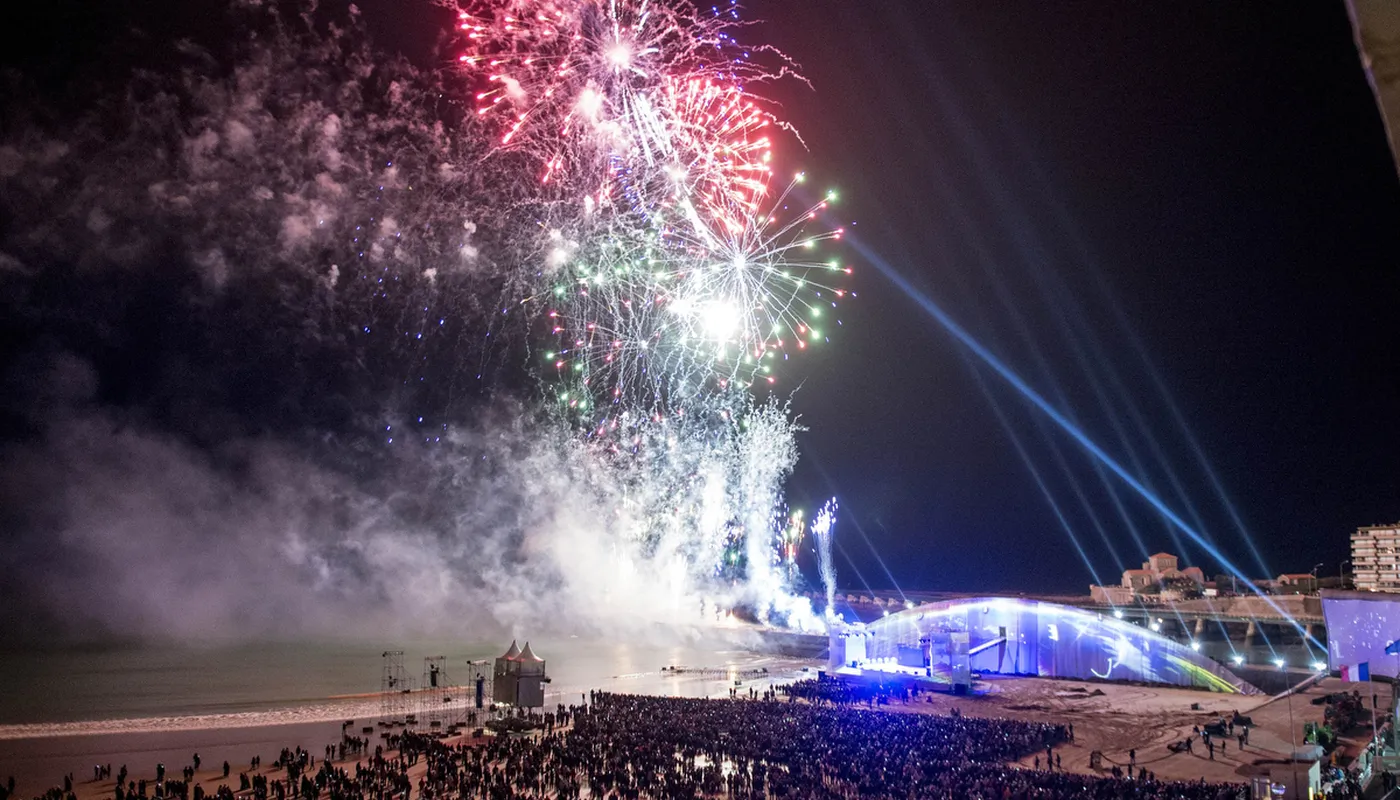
(823, 526)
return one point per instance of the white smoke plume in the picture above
(264, 381)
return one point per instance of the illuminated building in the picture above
(1375, 558)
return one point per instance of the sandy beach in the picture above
(38, 755)
(39, 763)
(1109, 718)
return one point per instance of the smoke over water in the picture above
(262, 377)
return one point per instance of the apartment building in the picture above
(1375, 558)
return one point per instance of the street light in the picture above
(1292, 734)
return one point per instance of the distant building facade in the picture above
(1111, 595)
(1375, 558)
(1155, 570)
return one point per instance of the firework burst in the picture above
(657, 316)
(671, 277)
(591, 87)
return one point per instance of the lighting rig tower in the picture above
(435, 695)
(394, 689)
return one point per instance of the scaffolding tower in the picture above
(435, 695)
(394, 688)
(476, 692)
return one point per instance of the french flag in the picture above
(1356, 672)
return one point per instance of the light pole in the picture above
(1342, 574)
(1292, 733)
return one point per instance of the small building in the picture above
(1111, 595)
(1138, 579)
(506, 676)
(519, 677)
(1159, 568)
(1162, 564)
(1296, 583)
(529, 691)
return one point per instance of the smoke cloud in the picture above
(261, 379)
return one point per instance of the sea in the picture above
(143, 687)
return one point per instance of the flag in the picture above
(1356, 672)
(1393, 649)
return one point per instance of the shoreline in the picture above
(1113, 720)
(38, 755)
(38, 763)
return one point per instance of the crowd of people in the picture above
(630, 747)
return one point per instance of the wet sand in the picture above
(40, 763)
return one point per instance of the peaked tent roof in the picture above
(513, 654)
(529, 655)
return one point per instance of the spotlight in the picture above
(1280, 663)
(1238, 659)
(1319, 666)
(1117, 613)
(1196, 646)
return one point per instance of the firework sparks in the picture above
(589, 87)
(661, 317)
(671, 277)
(823, 526)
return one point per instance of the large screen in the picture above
(1013, 636)
(1359, 626)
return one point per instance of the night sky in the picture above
(1180, 224)
(1203, 195)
